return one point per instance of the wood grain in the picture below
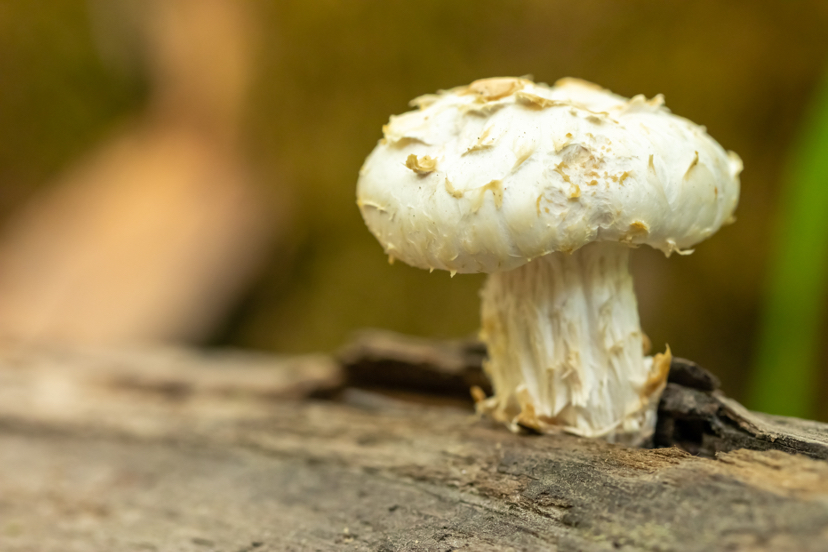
(182, 450)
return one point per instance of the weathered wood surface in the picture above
(173, 450)
(693, 415)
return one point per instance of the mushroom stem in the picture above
(565, 347)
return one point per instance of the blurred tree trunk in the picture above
(155, 234)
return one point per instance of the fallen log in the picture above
(183, 450)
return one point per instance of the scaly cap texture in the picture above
(487, 177)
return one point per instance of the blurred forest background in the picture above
(185, 170)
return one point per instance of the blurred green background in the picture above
(326, 74)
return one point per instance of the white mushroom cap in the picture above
(486, 177)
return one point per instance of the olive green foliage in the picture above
(58, 97)
(788, 371)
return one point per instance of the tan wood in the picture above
(181, 450)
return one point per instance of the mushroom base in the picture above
(565, 347)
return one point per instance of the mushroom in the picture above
(546, 189)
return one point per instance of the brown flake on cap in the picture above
(640, 101)
(484, 141)
(496, 88)
(637, 229)
(452, 191)
(496, 187)
(624, 175)
(422, 102)
(559, 169)
(421, 165)
(574, 192)
(693, 164)
(523, 152)
(573, 81)
(536, 102)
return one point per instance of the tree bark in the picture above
(179, 450)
